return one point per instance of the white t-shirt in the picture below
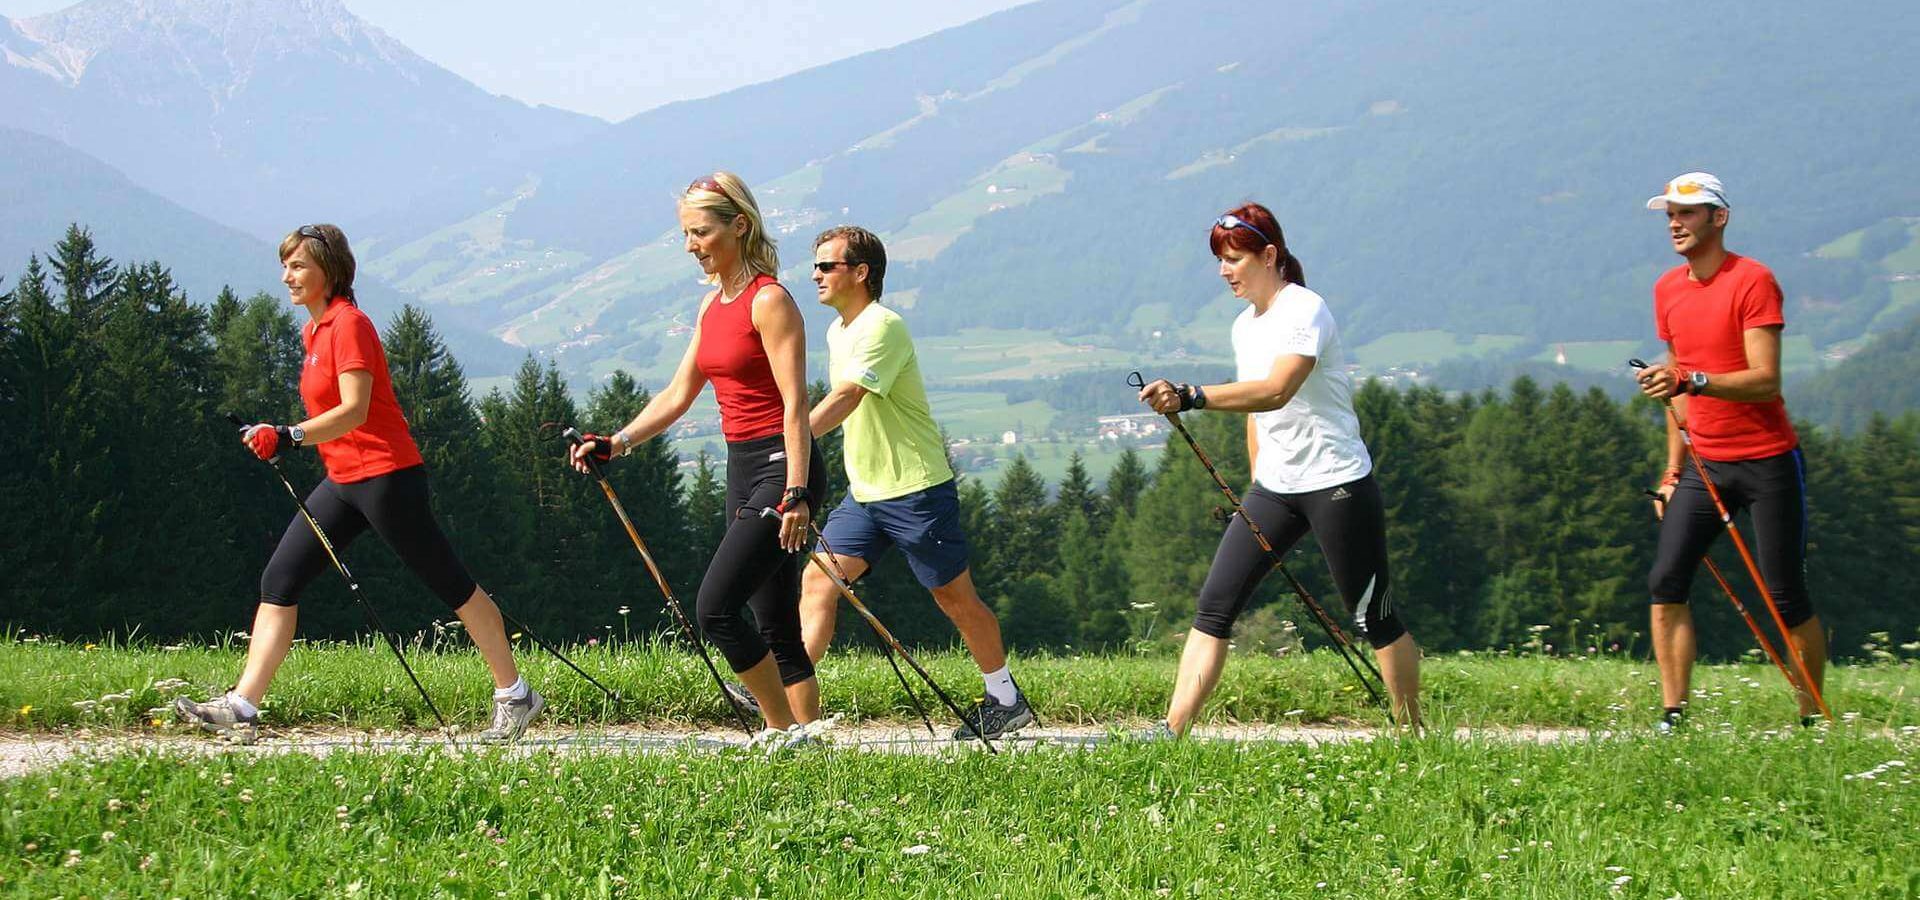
(1313, 442)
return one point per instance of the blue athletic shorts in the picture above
(925, 524)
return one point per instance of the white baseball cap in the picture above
(1691, 189)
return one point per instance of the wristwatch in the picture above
(1697, 383)
(297, 434)
(796, 494)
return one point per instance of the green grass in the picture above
(980, 354)
(984, 415)
(568, 310)
(1704, 815)
(473, 261)
(1906, 259)
(1797, 354)
(1905, 296)
(50, 685)
(1015, 181)
(1408, 347)
(1846, 246)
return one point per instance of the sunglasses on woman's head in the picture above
(313, 231)
(1232, 221)
(704, 184)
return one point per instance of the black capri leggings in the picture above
(397, 506)
(1349, 521)
(1774, 491)
(749, 568)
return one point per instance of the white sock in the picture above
(515, 691)
(1000, 686)
(242, 705)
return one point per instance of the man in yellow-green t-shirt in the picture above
(901, 490)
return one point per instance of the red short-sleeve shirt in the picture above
(1705, 322)
(341, 340)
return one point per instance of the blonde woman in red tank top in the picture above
(749, 342)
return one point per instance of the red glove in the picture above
(264, 440)
(602, 451)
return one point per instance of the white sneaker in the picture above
(510, 717)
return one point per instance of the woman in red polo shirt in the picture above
(750, 343)
(375, 478)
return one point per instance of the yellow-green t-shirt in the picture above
(892, 446)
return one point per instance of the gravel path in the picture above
(22, 753)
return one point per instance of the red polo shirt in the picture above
(343, 339)
(1706, 323)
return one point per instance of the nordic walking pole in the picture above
(884, 647)
(1746, 556)
(613, 696)
(353, 587)
(1733, 598)
(1341, 642)
(846, 591)
(673, 605)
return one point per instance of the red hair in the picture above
(1265, 231)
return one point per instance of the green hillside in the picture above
(1463, 184)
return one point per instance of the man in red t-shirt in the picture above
(1720, 316)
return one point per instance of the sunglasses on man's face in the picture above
(828, 265)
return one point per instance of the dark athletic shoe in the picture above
(993, 720)
(742, 697)
(510, 717)
(219, 716)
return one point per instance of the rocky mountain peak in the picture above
(219, 41)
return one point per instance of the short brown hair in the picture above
(863, 246)
(327, 246)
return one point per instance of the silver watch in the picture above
(298, 434)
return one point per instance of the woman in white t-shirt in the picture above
(1311, 471)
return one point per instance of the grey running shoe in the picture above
(1669, 724)
(510, 717)
(742, 697)
(993, 720)
(1160, 731)
(219, 716)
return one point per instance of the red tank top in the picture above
(733, 358)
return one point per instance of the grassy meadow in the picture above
(1741, 803)
(1795, 813)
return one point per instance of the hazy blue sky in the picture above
(613, 58)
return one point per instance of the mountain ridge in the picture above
(243, 107)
